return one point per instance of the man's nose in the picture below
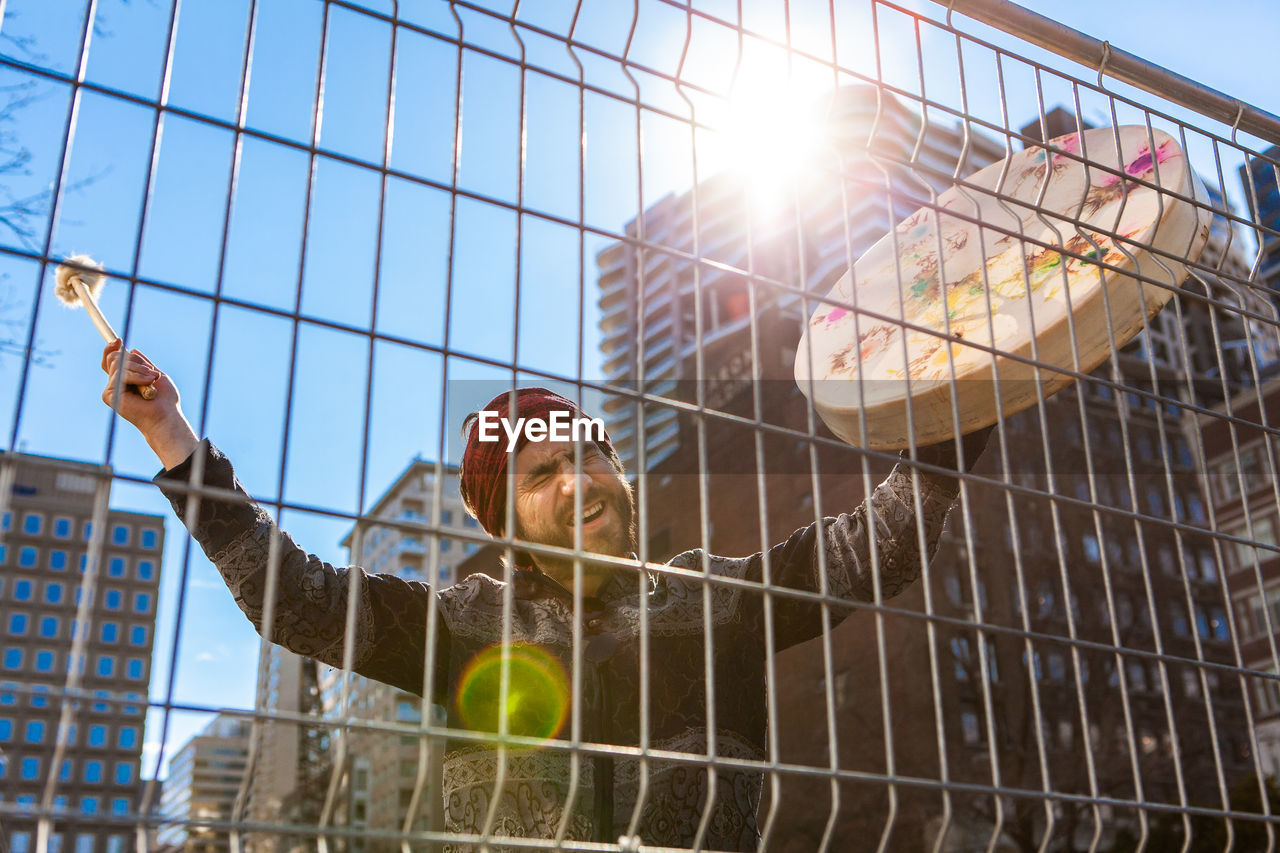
(568, 480)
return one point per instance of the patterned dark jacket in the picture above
(683, 803)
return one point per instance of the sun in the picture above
(769, 131)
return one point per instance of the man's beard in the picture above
(617, 539)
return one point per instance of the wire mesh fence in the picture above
(340, 228)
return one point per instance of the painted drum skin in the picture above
(1033, 257)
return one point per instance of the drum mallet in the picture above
(79, 281)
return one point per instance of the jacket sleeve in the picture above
(889, 515)
(311, 595)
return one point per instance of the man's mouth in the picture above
(593, 511)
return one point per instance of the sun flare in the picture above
(768, 130)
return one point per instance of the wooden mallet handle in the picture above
(147, 392)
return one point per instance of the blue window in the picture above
(6, 730)
(84, 563)
(113, 599)
(138, 635)
(149, 538)
(32, 523)
(110, 632)
(120, 534)
(88, 530)
(22, 591)
(64, 772)
(18, 623)
(146, 570)
(7, 698)
(39, 700)
(44, 661)
(53, 593)
(119, 806)
(97, 735)
(13, 658)
(30, 768)
(58, 561)
(106, 666)
(134, 668)
(124, 772)
(27, 557)
(20, 842)
(4, 557)
(62, 528)
(35, 731)
(88, 805)
(142, 603)
(93, 771)
(48, 626)
(128, 737)
(115, 567)
(7, 521)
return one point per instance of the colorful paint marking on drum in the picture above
(1017, 252)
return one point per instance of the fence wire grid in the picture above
(340, 227)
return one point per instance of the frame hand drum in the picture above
(1037, 257)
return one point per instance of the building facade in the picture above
(380, 770)
(205, 778)
(1242, 484)
(290, 771)
(49, 524)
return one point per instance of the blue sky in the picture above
(333, 268)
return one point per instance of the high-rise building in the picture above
(1241, 479)
(1261, 179)
(402, 551)
(290, 771)
(381, 769)
(48, 526)
(1115, 720)
(205, 777)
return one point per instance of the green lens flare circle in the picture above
(537, 698)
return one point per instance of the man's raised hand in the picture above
(160, 421)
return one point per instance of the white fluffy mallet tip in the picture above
(84, 268)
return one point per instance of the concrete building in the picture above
(1054, 567)
(48, 522)
(380, 770)
(402, 549)
(1242, 484)
(291, 769)
(204, 778)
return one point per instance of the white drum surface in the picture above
(1008, 285)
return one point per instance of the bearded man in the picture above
(699, 782)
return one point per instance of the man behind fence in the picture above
(687, 800)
